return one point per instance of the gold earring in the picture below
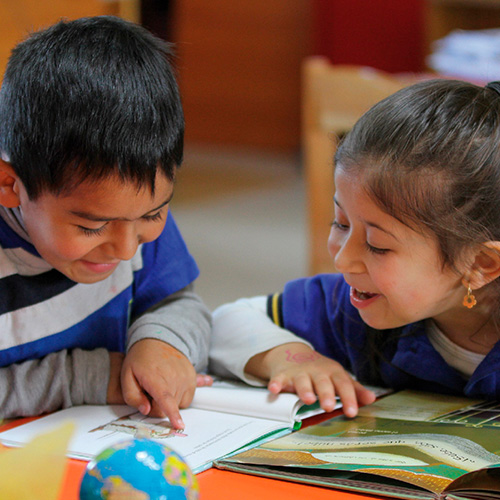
(469, 300)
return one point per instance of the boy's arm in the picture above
(181, 320)
(241, 330)
(165, 347)
(58, 380)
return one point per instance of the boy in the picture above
(91, 134)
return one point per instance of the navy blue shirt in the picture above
(43, 311)
(319, 310)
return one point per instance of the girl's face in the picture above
(395, 273)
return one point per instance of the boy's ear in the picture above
(486, 266)
(9, 186)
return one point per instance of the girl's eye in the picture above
(153, 218)
(337, 225)
(92, 232)
(376, 250)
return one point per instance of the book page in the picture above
(206, 437)
(243, 399)
(419, 406)
(429, 455)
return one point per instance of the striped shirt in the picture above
(43, 311)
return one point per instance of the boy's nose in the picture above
(124, 242)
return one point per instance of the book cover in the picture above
(408, 445)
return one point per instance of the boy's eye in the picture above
(90, 231)
(376, 250)
(153, 218)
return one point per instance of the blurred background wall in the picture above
(239, 61)
(240, 199)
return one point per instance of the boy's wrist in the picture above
(114, 392)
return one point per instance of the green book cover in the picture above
(407, 445)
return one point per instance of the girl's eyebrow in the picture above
(380, 228)
(95, 218)
(369, 223)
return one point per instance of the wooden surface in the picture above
(20, 17)
(444, 16)
(239, 70)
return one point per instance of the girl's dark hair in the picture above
(87, 99)
(429, 155)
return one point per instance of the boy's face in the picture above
(86, 234)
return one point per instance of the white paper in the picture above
(207, 436)
(221, 420)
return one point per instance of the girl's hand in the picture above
(203, 380)
(296, 368)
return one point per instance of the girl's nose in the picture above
(344, 254)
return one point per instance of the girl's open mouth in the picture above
(361, 298)
(362, 295)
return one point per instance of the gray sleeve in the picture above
(59, 380)
(181, 320)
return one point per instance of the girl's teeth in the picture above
(364, 295)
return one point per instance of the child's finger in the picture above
(325, 390)
(274, 387)
(203, 380)
(364, 395)
(347, 394)
(276, 384)
(168, 405)
(304, 388)
(133, 394)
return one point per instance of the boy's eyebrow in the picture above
(95, 218)
(369, 223)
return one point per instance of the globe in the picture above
(138, 469)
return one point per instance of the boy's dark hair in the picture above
(87, 99)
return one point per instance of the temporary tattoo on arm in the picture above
(301, 357)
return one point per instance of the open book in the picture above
(409, 445)
(222, 418)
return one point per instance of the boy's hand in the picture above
(114, 394)
(294, 367)
(158, 380)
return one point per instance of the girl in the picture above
(416, 238)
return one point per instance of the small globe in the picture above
(139, 469)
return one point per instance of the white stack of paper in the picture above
(468, 54)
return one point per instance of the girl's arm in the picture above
(247, 344)
(241, 330)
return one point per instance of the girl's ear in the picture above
(9, 186)
(486, 266)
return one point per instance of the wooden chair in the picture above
(333, 99)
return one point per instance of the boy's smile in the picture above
(86, 234)
(395, 273)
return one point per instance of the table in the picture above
(217, 484)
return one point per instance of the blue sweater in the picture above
(42, 311)
(319, 310)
